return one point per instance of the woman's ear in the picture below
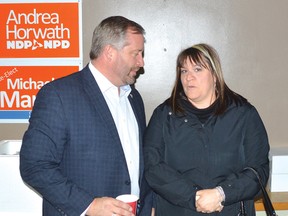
(215, 80)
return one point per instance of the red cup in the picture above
(129, 199)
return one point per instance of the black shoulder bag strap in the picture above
(267, 202)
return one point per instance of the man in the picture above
(83, 146)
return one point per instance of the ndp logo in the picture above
(36, 30)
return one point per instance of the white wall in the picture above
(251, 37)
(279, 213)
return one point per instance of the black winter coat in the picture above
(183, 155)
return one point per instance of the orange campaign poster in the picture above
(45, 29)
(40, 40)
(20, 84)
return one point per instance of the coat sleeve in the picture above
(163, 179)
(243, 185)
(41, 153)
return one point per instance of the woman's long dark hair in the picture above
(207, 57)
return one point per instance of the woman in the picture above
(199, 141)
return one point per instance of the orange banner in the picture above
(20, 84)
(46, 30)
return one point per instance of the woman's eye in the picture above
(183, 71)
(197, 69)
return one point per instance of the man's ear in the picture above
(109, 52)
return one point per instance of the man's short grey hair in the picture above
(112, 31)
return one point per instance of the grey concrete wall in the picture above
(251, 37)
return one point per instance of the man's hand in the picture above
(107, 206)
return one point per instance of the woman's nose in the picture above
(189, 76)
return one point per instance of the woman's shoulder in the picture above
(163, 108)
(242, 104)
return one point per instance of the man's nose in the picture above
(140, 61)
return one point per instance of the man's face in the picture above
(129, 59)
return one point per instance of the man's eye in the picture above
(139, 53)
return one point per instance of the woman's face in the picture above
(198, 84)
